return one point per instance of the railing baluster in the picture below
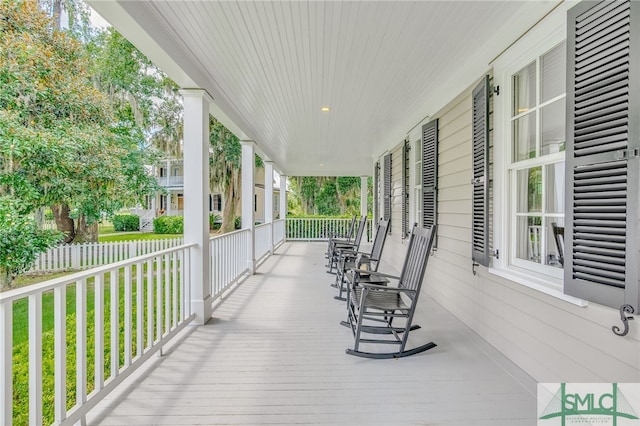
(150, 304)
(158, 281)
(167, 293)
(115, 324)
(81, 342)
(60, 352)
(128, 316)
(35, 359)
(174, 256)
(6, 363)
(99, 331)
(139, 308)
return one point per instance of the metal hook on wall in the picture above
(624, 309)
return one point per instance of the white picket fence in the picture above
(89, 255)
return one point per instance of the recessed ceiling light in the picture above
(325, 109)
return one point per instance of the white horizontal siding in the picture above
(551, 339)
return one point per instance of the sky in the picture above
(97, 20)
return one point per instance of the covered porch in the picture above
(273, 353)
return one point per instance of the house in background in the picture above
(170, 201)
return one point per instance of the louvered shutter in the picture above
(376, 193)
(429, 173)
(387, 189)
(480, 181)
(603, 143)
(406, 162)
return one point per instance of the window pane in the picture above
(553, 251)
(554, 186)
(553, 72)
(529, 190)
(524, 137)
(528, 237)
(524, 89)
(553, 126)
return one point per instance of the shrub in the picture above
(215, 221)
(126, 222)
(168, 225)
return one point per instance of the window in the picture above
(536, 169)
(217, 202)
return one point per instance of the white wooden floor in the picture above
(273, 353)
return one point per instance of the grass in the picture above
(106, 228)
(135, 236)
(21, 337)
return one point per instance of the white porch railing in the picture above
(88, 255)
(171, 181)
(262, 237)
(93, 328)
(319, 229)
(228, 260)
(279, 228)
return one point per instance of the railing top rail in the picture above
(228, 234)
(11, 295)
(262, 225)
(319, 218)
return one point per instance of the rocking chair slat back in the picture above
(416, 260)
(378, 243)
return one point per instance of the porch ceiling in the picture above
(271, 65)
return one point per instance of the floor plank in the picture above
(273, 353)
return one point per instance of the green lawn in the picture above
(21, 344)
(135, 236)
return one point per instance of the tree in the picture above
(327, 196)
(20, 241)
(225, 160)
(59, 142)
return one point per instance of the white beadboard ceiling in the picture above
(381, 66)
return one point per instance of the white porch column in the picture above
(248, 189)
(283, 197)
(268, 200)
(364, 192)
(196, 196)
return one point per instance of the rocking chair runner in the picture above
(373, 308)
(352, 259)
(336, 245)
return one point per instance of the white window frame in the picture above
(538, 41)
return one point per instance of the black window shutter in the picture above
(406, 189)
(429, 173)
(602, 153)
(376, 193)
(387, 189)
(480, 180)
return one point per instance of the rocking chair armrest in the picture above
(376, 273)
(378, 287)
(347, 250)
(367, 259)
(338, 244)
